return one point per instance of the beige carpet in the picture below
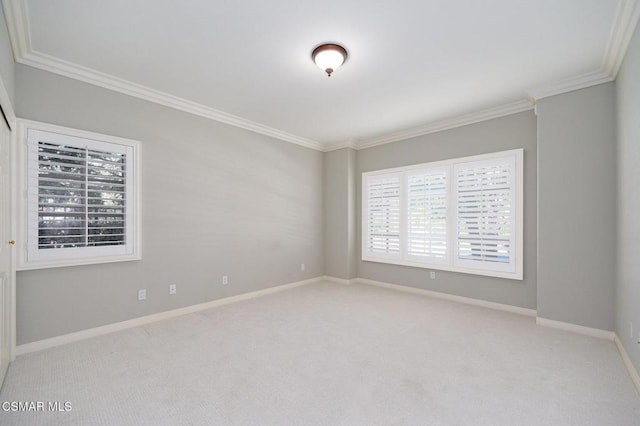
(327, 354)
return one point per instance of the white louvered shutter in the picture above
(382, 220)
(61, 202)
(485, 201)
(106, 198)
(427, 215)
(78, 197)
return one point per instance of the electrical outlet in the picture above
(432, 274)
(172, 288)
(142, 294)
(302, 267)
(225, 279)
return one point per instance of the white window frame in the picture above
(513, 270)
(29, 256)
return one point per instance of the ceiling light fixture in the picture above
(329, 57)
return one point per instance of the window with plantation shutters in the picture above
(485, 203)
(383, 216)
(462, 215)
(81, 198)
(427, 215)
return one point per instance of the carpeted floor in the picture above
(328, 354)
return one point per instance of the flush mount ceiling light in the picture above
(329, 57)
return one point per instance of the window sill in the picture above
(76, 262)
(498, 274)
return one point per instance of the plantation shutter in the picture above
(461, 215)
(427, 215)
(62, 197)
(81, 197)
(106, 196)
(78, 196)
(485, 202)
(383, 215)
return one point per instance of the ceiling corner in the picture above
(624, 24)
(334, 146)
(569, 84)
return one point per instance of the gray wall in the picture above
(6, 59)
(514, 131)
(339, 213)
(216, 200)
(336, 225)
(576, 207)
(352, 233)
(628, 284)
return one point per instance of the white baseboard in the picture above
(627, 362)
(588, 331)
(337, 280)
(110, 328)
(454, 298)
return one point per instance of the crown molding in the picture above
(624, 25)
(334, 146)
(97, 78)
(17, 17)
(570, 84)
(449, 123)
(23, 52)
(625, 21)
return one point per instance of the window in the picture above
(383, 216)
(81, 197)
(427, 215)
(461, 215)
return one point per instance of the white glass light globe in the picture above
(329, 57)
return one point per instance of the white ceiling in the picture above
(411, 61)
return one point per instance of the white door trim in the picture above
(7, 267)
